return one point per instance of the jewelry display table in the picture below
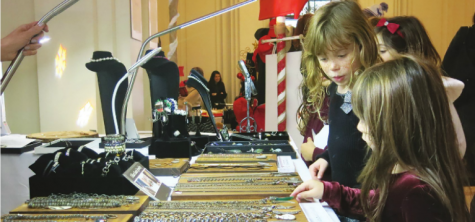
(15, 186)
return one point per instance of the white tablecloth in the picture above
(15, 175)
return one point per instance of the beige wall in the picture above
(441, 18)
(38, 101)
(21, 96)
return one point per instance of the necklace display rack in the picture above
(80, 169)
(170, 139)
(169, 166)
(79, 203)
(236, 158)
(109, 71)
(265, 209)
(225, 186)
(279, 147)
(67, 217)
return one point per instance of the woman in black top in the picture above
(217, 90)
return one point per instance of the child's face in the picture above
(365, 133)
(340, 64)
(385, 52)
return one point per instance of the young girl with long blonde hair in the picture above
(415, 172)
(339, 44)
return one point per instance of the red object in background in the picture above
(274, 8)
(182, 90)
(180, 69)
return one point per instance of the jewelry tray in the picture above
(120, 217)
(171, 169)
(267, 135)
(224, 147)
(134, 209)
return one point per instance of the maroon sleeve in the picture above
(316, 152)
(308, 163)
(420, 204)
(343, 199)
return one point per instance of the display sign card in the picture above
(143, 179)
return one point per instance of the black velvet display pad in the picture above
(68, 177)
(109, 72)
(173, 148)
(44, 186)
(245, 147)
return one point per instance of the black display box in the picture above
(268, 135)
(222, 147)
(172, 148)
(45, 186)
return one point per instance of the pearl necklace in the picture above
(104, 59)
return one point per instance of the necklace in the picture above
(245, 179)
(259, 165)
(104, 59)
(80, 200)
(11, 217)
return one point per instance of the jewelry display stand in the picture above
(279, 147)
(169, 166)
(267, 135)
(133, 209)
(109, 71)
(164, 83)
(79, 169)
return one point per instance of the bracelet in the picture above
(56, 162)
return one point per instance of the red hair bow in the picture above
(392, 27)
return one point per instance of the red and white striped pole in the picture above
(281, 103)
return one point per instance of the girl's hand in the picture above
(308, 190)
(214, 94)
(318, 168)
(307, 149)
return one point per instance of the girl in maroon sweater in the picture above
(415, 172)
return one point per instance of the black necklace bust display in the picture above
(109, 70)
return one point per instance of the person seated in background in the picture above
(27, 35)
(217, 90)
(189, 96)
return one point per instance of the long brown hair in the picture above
(302, 28)
(404, 104)
(336, 25)
(415, 41)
